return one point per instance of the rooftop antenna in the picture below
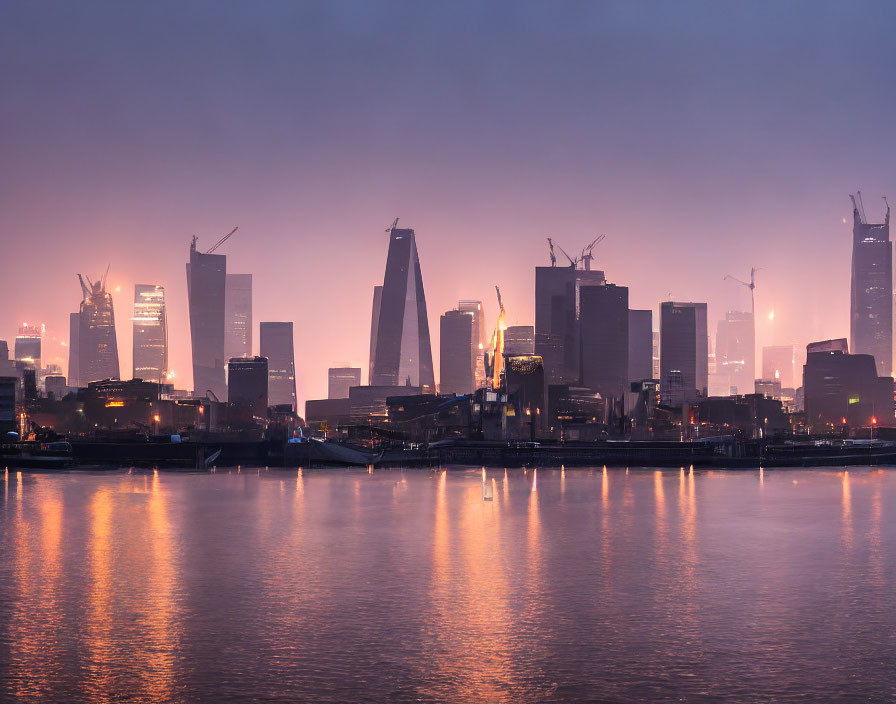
(553, 257)
(393, 226)
(587, 256)
(222, 240)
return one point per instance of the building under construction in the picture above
(871, 293)
(150, 333)
(97, 344)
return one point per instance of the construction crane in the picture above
(752, 287)
(553, 257)
(573, 263)
(222, 240)
(587, 256)
(393, 226)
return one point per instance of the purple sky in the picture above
(702, 138)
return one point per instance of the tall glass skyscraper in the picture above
(206, 286)
(403, 351)
(238, 316)
(150, 333)
(871, 292)
(97, 342)
(276, 344)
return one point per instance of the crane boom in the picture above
(222, 240)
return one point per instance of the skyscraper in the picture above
(640, 345)
(556, 319)
(341, 379)
(206, 290)
(478, 343)
(455, 353)
(871, 291)
(248, 385)
(403, 352)
(150, 333)
(374, 324)
(97, 342)
(519, 340)
(735, 352)
(238, 316)
(276, 344)
(28, 345)
(603, 318)
(74, 350)
(684, 352)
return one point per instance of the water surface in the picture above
(344, 586)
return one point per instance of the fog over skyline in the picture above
(700, 147)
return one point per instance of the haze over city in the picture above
(701, 142)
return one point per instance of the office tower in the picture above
(556, 319)
(206, 290)
(403, 354)
(844, 389)
(374, 323)
(871, 290)
(456, 349)
(27, 348)
(480, 337)
(238, 316)
(778, 363)
(519, 339)
(735, 352)
(341, 379)
(525, 382)
(150, 333)
(248, 384)
(684, 353)
(603, 318)
(97, 342)
(277, 347)
(74, 349)
(640, 345)
(656, 354)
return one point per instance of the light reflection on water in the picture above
(620, 585)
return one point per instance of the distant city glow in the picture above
(771, 316)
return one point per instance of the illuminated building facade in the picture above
(525, 382)
(519, 339)
(871, 290)
(28, 345)
(97, 342)
(684, 352)
(341, 379)
(478, 343)
(456, 363)
(206, 290)
(150, 333)
(403, 352)
(277, 347)
(238, 316)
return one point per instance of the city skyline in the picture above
(714, 180)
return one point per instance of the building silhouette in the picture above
(478, 343)
(74, 349)
(277, 346)
(150, 333)
(248, 384)
(238, 316)
(28, 345)
(97, 342)
(640, 345)
(684, 352)
(206, 290)
(519, 339)
(403, 354)
(341, 379)
(871, 290)
(374, 325)
(604, 331)
(526, 390)
(456, 362)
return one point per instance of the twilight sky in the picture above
(702, 138)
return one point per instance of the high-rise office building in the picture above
(248, 384)
(150, 333)
(604, 331)
(28, 345)
(455, 353)
(97, 342)
(277, 347)
(341, 379)
(206, 290)
(556, 319)
(778, 363)
(684, 352)
(871, 291)
(238, 316)
(524, 378)
(403, 353)
(74, 349)
(656, 354)
(735, 352)
(374, 324)
(480, 338)
(640, 345)
(519, 340)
